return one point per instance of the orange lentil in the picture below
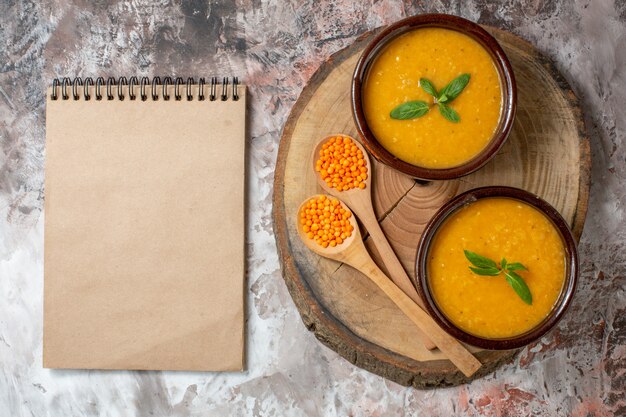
(341, 164)
(329, 226)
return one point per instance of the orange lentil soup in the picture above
(487, 306)
(440, 55)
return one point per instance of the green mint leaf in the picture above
(485, 271)
(454, 88)
(486, 266)
(520, 287)
(479, 261)
(449, 113)
(409, 110)
(442, 98)
(516, 266)
(428, 87)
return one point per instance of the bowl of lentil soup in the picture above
(497, 267)
(434, 96)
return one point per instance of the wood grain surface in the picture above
(547, 154)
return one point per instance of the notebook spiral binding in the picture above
(122, 85)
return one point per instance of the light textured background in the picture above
(578, 369)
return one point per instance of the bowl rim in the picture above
(562, 302)
(507, 82)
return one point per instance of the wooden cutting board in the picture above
(547, 154)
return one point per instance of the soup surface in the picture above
(487, 306)
(440, 55)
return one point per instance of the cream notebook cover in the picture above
(144, 227)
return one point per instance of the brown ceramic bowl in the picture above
(507, 86)
(564, 299)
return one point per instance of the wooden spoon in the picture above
(360, 202)
(353, 252)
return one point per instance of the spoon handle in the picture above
(452, 348)
(365, 212)
(397, 273)
(390, 259)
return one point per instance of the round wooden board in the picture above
(547, 154)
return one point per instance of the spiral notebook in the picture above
(144, 224)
